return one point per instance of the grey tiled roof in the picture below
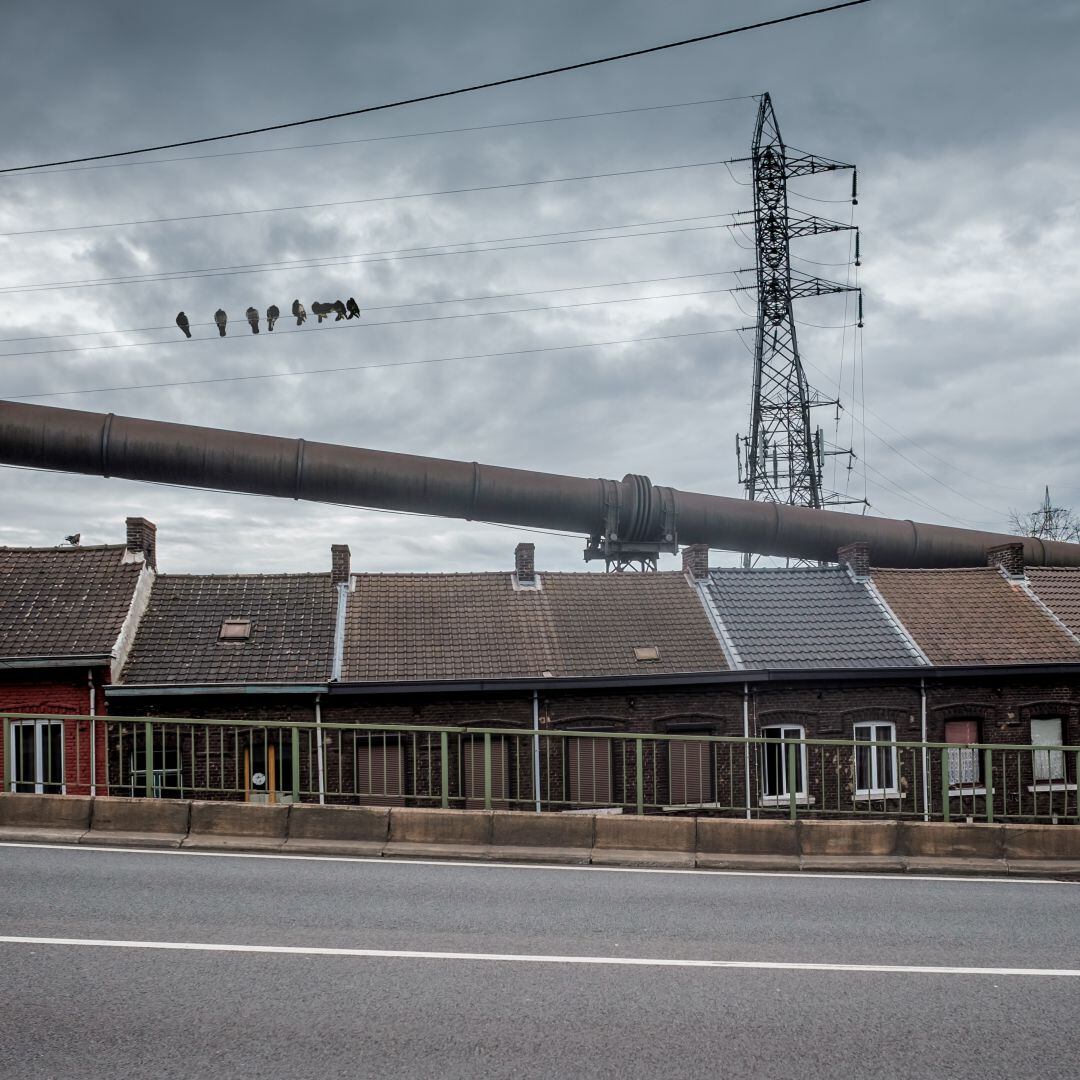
(292, 630)
(477, 626)
(812, 617)
(67, 601)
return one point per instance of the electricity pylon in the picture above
(782, 459)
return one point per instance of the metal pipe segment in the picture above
(631, 510)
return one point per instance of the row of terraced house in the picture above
(816, 687)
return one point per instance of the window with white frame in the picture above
(776, 763)
(875, 764)
(1047, 764)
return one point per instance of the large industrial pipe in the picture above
(630, 511)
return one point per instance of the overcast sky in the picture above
(961, 116)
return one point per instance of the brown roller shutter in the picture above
(380, 773)
(690, 772)
(472, 767)
(588, 763)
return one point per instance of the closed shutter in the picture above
(472, 765)
(380, 773)
(588, 763)
(689, 772)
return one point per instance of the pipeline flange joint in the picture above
(640, 522)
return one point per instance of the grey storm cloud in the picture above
(958, 398)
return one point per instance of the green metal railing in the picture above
(497, 767)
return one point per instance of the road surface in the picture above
(162, 965)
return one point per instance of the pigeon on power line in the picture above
(253, 319)
(272, 316)
(182, 322)
(354, 309)
(339, 307)
(299, 312)
(322, 310)
(221, 319)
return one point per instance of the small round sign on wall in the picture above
(258, 779)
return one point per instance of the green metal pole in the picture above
(639, 766)
(793, 809)
(988, 768)
(444, 763)
(487, 770)
(296, 764)
(9, 762)
(148, 758)
(944, 783)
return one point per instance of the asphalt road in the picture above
(75, 1007)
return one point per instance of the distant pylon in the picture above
(782, 458)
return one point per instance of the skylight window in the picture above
(644, 654)
(235, 630)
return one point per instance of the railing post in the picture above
(295, 780)
(1065, 778)
(639, 767)
(9, 761)
(148, 757)
(444, 765)
(792, 800)
(988, 783)
(944, 783)
(487, 770)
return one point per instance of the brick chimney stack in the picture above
(695, 561)
(1007, 557)
(856, 557)
(340, 564)
(524, 564)
(142, 540)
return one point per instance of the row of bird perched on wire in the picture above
(347, 309)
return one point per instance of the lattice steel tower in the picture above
(782, 459)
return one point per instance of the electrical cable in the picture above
(358, 202)
(365, 325)
(395, 307)
(448, 93)
(390, 138)
(369, 367)
(315, 262)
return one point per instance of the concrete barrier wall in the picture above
(603, 839)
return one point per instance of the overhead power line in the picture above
(466, 247)
(367, 199)
(446, 93)
(400, 135)
(368, 324)
(395, 307)
(370, 367)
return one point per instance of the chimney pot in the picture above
(856, 557)
(695, 561)
(142, 539)
(1007, 557)
(524, 563)
(340, 564)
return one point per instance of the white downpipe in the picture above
(746, 744)
(319, 749)
(536, 748)
(925, 752)
(93, 731)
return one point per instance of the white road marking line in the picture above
(491, 864)
(539, 958)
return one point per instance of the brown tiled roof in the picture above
(292, 630)
(67, 601)
(1058, 587)
(974, 616)
(402, 627)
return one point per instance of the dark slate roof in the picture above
(974, 616)
(1058, 587)
(66, 601)
(412, 627)
(805, 617)
(292, 630)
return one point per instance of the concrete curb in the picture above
(602, 840)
